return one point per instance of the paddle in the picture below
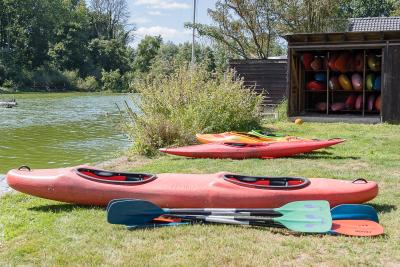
(343, 227)
(341, 212)
(345, 211)
(313, 216)
(354, 212)
(339, 227)
(298, 221)
(356, 228)
(260, 133)
(123, 211)
(347, 227)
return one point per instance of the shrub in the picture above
(129, 79)
(89, 84)
(172, 109)
(9, 84)
(50, 77)
(72, 76)
(113, 81)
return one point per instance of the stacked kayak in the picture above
(252, 137)
(264, 150)
(89, 186)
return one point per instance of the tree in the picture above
(309, 16)
(164, 61)
(203, 54)
(396, 11)
(27, 28)
(43, 40)
(109, 19)
(109, 55)
(368, 8)
(146, 51)
(69, 50)
(245, 27)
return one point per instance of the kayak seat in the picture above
(268, 182)
(117, 177)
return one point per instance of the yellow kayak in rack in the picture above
(241, 137)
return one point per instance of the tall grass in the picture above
(172, 109)
(282, 111)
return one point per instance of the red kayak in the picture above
(244, 151)
(88, 186)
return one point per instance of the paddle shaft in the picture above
(244, 212)
(345, 211)
(241, 220)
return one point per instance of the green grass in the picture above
(43, 232)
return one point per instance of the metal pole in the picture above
(194, 31)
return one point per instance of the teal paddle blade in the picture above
(130, 212)
(117, 200)
(354, 212)
(304, 206)
(318, 221)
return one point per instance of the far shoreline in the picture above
(59, 92)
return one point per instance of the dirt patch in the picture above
(123, 163)
(4, 188)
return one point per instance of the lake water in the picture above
(60, 129)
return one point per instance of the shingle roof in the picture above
(374, 24)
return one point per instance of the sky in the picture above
(166, 18)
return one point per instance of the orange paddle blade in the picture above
(357, 227)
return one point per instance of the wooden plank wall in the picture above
(268, 76)
(391, 88)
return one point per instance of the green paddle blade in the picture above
(316, 221)
(304, 206)
(260, 133)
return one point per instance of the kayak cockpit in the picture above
(268, 182)
(114, 177)
(245, 145)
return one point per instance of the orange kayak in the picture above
(241, 137)
(89, 186)
(244, 151)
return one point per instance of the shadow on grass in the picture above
(57, 208)
(311, 155)
(323, 155)
(383, 208)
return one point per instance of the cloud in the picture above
(139, 20)
(165, 32)
(162, 4)
(155, 13)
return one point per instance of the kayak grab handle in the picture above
(24, 167)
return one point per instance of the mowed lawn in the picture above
(42, 232)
